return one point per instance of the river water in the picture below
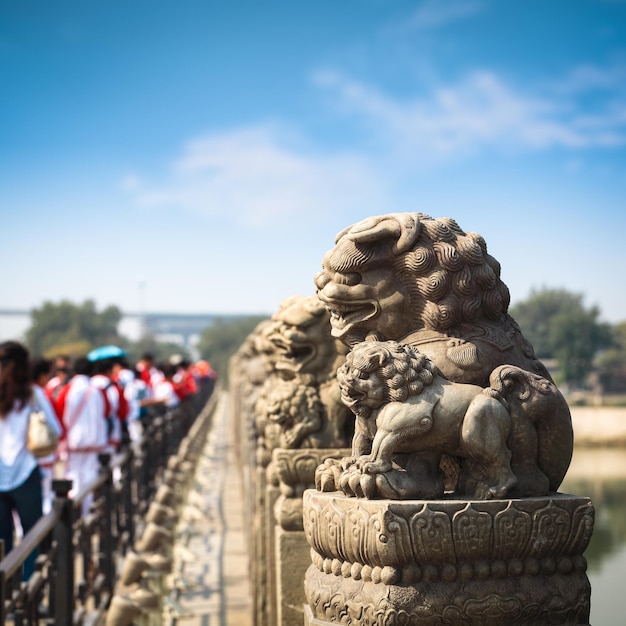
(600, 473)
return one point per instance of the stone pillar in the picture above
(272, 493)
(295, 471)
(284, 376)
(259, 551)
(447, 561)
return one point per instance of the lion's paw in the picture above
(350, 482)
(368, 486)
(357, 481)
(486, 491)
(327, 475)
(379, 466)
(354, 484)
(344, 483)
(349, 461)
(291, 438)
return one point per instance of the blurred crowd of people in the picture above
(93, 402)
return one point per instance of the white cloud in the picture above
(481, 110)
(130, 182)
(587, 77)
(436, 13)
(259, 175)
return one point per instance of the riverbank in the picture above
(599, 426)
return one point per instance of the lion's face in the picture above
(360, 303)
(377, 372)
(361, 391)
(300, 335)
(390, 276)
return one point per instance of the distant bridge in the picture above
(186, 324)
(177, 327)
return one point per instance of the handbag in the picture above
(41, 438)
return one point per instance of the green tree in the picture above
(535, 314)
(611, 363)
(559, 326)
(576, 336)
(73, 329)
(220, 341)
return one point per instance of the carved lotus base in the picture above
(447, 561)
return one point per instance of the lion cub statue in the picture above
(419, 435)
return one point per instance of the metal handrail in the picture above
(75, 573)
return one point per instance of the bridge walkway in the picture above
(214, 586)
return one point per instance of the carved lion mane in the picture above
(447, 272)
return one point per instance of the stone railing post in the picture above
(295, 471)
(470, 562)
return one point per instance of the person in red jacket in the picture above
(61, 374)
(148, 371)
(184, 383)
(118, 405)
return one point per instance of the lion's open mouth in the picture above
(352, 397)
(291, 356)
(343, 317)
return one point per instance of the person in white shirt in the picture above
(20, 477)
(101, 377)
(136, 393)
(164, 390)
(83, 409)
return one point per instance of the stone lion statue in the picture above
(408, 416)
(411, 278)
(300, 405)
(295, 416)
(425, 282)
(302, 343)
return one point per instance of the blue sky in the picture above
(200, 156)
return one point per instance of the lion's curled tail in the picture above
(513, 382)
(541, 419)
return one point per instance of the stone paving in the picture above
(211, 562)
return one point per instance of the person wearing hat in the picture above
(102, 378)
